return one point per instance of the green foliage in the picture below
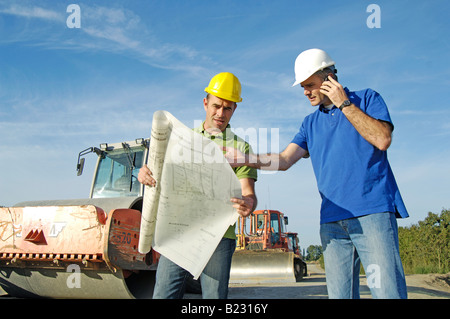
(313, 252)
(322, 262)
(424, 247)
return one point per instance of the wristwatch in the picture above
(345, 104)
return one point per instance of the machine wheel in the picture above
(299, 270)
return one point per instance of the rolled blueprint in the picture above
(158, 143)
(186, 215)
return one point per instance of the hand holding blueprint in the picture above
(185, 216)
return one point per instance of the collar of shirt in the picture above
(222, 135)
(327, 109)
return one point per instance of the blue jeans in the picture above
(372, 240)
(171, 278)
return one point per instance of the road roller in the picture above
(82, 248)
(265, 251)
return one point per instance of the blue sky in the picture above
(65, 89)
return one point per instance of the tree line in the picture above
(424, 247)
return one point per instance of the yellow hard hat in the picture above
(226, 86)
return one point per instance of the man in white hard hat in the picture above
(347, 138)
(223, 94)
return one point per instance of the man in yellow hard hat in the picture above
(224, 92)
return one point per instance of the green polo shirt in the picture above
(229, 139)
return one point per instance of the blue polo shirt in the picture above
(354, 177)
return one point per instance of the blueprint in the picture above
(186, 215)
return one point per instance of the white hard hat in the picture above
(309, 62)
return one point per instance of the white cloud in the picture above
(109, 29)
(33, 12)
(126, 33)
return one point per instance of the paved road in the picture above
(314, 287)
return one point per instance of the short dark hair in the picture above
(324, 73)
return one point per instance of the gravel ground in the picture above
(430, 286)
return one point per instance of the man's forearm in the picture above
(255, 201)
(376, 132)
(269, 162)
